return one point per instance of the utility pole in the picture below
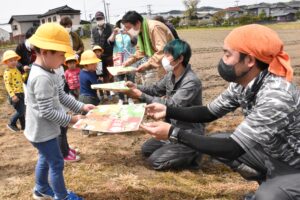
(236, 3)
(108, 18)
(104, 4)
(84, 7)
(149, 10)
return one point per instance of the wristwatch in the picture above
(174, 135)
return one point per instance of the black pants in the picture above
(163, 155)
(63, 141)
(277, 179)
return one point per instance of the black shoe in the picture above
(13, 128)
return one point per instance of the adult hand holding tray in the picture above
(115, 86)
(113, 118)
(119, 70)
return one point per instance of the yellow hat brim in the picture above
(11, 56)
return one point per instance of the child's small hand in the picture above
(15, 99)
(76, 118)
(88, 107)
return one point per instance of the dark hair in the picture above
(261, 65)
(38, 50)
(179, 48)
(66, 21)
(118, 23)
(132, 17)
(159, 18)
(30, 32)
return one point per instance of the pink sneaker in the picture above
(74, 151)
(71, 157)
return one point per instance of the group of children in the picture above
(46, 118)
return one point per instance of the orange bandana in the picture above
(264, 44)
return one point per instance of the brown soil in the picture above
(112, 167)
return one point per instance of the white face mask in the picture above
(133, 32)
(69, 29)
(166, 64)
(101, 22)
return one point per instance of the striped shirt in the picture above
(44, 113)
(272, 119)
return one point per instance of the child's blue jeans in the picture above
(50, 164)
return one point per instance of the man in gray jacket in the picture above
(180, 87)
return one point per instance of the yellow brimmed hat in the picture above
(9, 54)
(52, 36)
(88, 57)
(70, 57)
(97, 47)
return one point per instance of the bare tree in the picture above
(191, 8)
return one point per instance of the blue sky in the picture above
(117, 7)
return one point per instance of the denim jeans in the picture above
(50, 163)
(20, 111)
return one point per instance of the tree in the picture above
(218, 18)
(191, 8)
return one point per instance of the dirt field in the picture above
(112, 166)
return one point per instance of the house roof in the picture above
(260, 5)
(284, 12)
(60, 10)
(294, 4)
(202, 15)
(233, 9)
(24, 18)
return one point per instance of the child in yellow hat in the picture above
(88, 77)
(13, 81)
(44, 114)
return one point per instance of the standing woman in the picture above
(76, 42)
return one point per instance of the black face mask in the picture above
(227, 72)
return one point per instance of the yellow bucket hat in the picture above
(88, 57)
(9, 54)
(97, 47)
(52, 36)
(71, 57)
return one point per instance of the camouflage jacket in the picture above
(272, 118)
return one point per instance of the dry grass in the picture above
(112, 166)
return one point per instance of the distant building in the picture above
(258, 9)
(205, 16)
(284, 15)
(233, 12)
(4, 35)
(21, 23)
(54, 15)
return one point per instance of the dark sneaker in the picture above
(13, 128)
(49, 195)
(72, 196)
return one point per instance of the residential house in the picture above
(4, 35)
(284, 15)
(258, 9)
(233, 12)
(294, 4)
(166, 15)
(205, 16)
(54, 15)
(20, 24)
